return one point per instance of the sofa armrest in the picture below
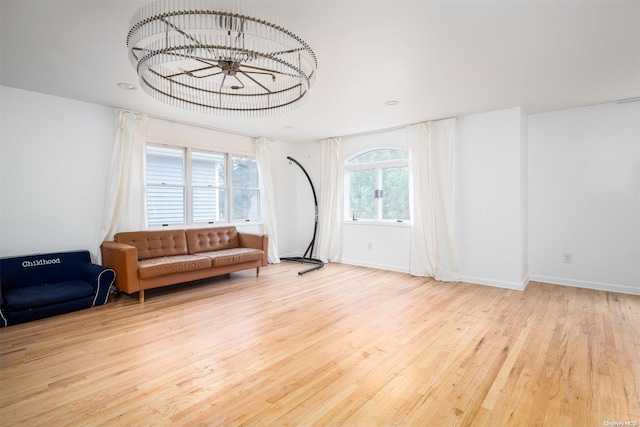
(124, 260)
(3, 318)
(101, 278)
(255, 241)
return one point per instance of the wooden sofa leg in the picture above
(257, 271)
(141, 296)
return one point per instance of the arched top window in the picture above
(379, 155)
(377, 186)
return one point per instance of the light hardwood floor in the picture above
(341, 346)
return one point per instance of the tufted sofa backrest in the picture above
(212, 239)
(155, 243)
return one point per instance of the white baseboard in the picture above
(374, 265)
(609, 287)
(516, 286)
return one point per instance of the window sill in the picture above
(377, 223)
(206, 225)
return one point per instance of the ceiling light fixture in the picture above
(213, 57)
(391, 103)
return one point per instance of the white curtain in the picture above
(432, 185)
(331, 199)
(125, 204)
(267, 197)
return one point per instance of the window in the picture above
(165, 185)
(186, 186)
(246, 188)
(377, 186)
(208, 186)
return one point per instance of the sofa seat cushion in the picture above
(46, 294)
(154, 267)
(233, 256)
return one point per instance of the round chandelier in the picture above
(212, 57)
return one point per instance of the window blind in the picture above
(165, 185)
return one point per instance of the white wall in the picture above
(54, 156)
(172, 133)
(524, 191)
(491, 203)
(491, 197)
(374, 245)
(529, 189)
(584, 197)
(295, 205)
(378, 246)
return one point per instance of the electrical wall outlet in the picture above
(370, 246)
(567, 258)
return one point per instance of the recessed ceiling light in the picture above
(392, 103)
(127, 86)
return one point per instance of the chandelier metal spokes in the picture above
(208, 58)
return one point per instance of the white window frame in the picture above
(188, 187)
(230, 188)
(165, 185)
(378, 168)
(189, 192)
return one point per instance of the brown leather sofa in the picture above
(151, 259)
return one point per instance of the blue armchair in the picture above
(37, 286)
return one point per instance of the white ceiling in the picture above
(438, 58)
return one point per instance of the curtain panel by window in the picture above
(267, 197)
(125, 204)
(431, 195)
(331, 200)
